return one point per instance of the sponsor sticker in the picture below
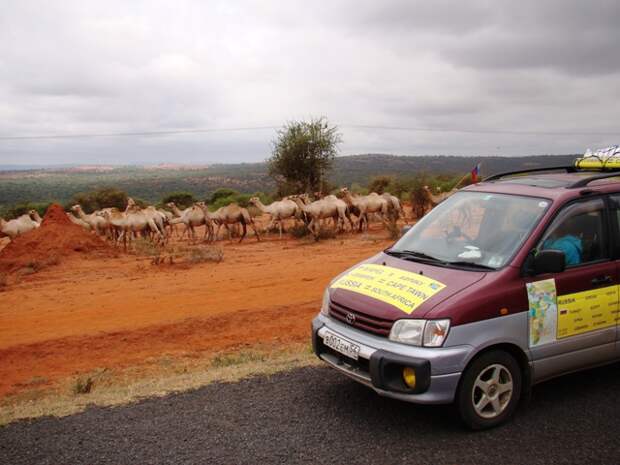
(402, 289)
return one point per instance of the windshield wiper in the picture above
(470, 264)
(407, 254)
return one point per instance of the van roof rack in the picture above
(566, 169)
(583, 182)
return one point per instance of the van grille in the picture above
(362, 321)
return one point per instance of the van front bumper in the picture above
(380, 363)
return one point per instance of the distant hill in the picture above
(360, 168)
(19, 185)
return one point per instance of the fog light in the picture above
(409, 377)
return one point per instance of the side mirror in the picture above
(549, 261)
(405, 229)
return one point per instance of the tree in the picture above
(303, 153)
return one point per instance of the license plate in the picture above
(341, 345)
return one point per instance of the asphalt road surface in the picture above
(314, 415)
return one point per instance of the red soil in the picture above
(121, 312)
(57, 237)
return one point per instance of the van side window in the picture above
(614, 201)
(579, 232)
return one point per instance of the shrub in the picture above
(393, 229)
(23, 208)
(102, 198)
(298, 231)
(222, 193)
(379, 184)
(180, 199)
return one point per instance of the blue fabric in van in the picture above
(570, 245)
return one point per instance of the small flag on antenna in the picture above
(475, 173)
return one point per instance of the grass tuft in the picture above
(83, 385)
(236, 358)
(210, 253)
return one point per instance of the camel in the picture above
(279, 211)
(168, 217)
(395, 210)
(436, 199)
(372, 203)
(321, 209)
(17, 226)
(229, 215)
(131, 223)
(78, 221)
(34, 216)
(192, 217)
(97, 222)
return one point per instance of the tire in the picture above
(489, 391)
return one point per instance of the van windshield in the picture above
(474, 229)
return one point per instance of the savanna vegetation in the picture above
(21, 191)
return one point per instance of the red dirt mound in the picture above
(57, 237)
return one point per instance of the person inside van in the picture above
(565, 239)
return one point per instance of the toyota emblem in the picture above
(350, 317)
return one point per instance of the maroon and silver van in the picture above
(507, 283)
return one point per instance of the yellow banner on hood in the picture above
(402, 289)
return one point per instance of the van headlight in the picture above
(325, 303)
(427, 333)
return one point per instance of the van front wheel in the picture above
(490, 390)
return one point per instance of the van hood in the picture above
(455, 281)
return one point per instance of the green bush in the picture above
(180, 199)
(101, 198)
(222, 193)
(379, 184)
(23, 208)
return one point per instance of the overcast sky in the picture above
(532, 76)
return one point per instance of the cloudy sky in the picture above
(467, 78)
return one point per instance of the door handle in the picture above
(599, 280)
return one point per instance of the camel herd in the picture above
(350, 212)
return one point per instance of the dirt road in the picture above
(317, 416)
(86, 314)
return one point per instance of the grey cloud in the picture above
(100, 67)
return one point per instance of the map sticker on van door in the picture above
(543, 311)
(402, 289)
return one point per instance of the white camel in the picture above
(78, 221)
(395, 210)
(192, 217)
(98, 223)
(17, 226)
(130, 224)
(321, 209)
(365, 204)
(279, 211)
(231, 214)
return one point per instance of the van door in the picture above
(614, 220)
(587, 291)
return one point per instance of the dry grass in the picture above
(178, 253)
(210, 253)
(166, 375)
